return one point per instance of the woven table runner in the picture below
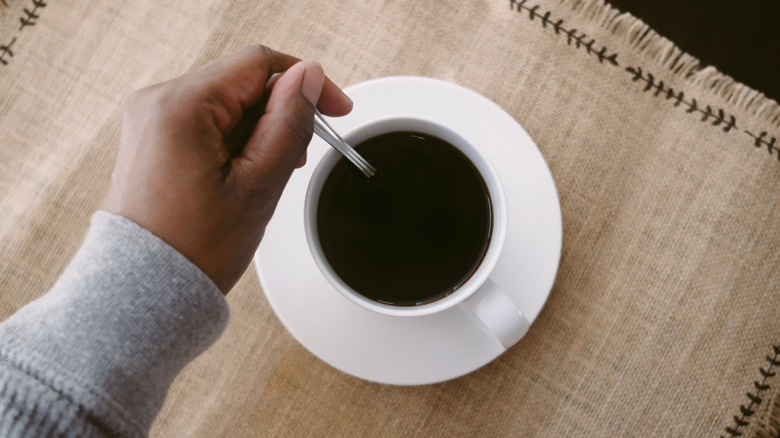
(663, 320)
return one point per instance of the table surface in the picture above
(739, 38)
(663, 318)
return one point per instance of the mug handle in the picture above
(498, 314)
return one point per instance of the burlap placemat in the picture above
(664, 316)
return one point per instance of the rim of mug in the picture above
(413, 123)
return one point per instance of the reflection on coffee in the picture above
(413, 233)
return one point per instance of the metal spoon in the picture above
(327, 133)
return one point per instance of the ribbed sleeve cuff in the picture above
(125, 317)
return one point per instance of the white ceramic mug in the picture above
(478, 295)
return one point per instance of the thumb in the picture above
(280, 138)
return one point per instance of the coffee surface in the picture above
(414, 232)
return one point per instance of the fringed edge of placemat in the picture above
(768, 425)
(641, 38)
(759, 414)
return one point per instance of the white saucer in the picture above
(426, 349)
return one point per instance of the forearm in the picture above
(97, 353)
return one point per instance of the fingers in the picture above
(243, 75)
(239, 81)
(333, 102)
(280, 138)
(235, 87)
(312, 82)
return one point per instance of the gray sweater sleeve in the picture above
(96, 354)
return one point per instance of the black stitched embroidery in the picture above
(745, 412)
(5, 50)
(717, 118)
(580, 39)
(760, 140)
(30, 16)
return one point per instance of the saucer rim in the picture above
(344, 124)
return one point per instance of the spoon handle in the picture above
(323, 130)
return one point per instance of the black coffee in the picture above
(414, 232)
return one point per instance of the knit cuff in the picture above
(125, 317)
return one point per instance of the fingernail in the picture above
(313, 80)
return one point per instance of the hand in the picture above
(203, 158)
